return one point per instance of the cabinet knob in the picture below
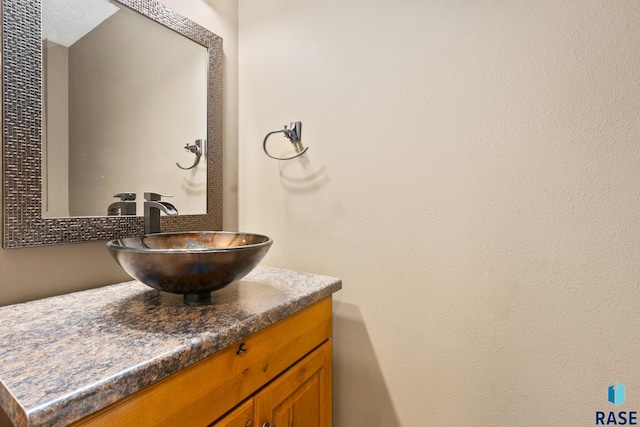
(268, 425)
(242, 349)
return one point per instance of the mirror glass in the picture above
(122, 97)
(143, 101)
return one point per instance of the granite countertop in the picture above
(65, 357)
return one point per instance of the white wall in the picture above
(473, 177)
(38, 272)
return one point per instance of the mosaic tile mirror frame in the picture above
(23, 223)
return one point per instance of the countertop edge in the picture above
(12, 408)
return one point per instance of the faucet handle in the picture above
(154, 197)
(126, 196)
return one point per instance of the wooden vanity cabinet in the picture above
(280, 375)
(301, 397)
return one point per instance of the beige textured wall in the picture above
(473, 177)
(37, 272)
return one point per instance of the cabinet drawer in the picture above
(203, 392)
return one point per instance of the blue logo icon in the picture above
(616, 394)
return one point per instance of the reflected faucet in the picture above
(152, 208)
(126, 205)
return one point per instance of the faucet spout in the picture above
(120, 208)
(126, 205)
(152, 208)
(165, 207)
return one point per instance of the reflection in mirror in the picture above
(122, 96)
(117, 135)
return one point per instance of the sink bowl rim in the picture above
(114, 244)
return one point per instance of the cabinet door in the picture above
(240, 417)
(301, 397)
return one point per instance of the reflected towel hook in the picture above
(195, 149)
(293, 134)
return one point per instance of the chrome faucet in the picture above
(126, 205)
(152, 208)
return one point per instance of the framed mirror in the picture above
(103, 148)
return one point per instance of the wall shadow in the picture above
(360, 394)
(301, 176)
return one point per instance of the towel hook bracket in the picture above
(294, 135)
(195, 149)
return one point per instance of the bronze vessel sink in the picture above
(190, 263)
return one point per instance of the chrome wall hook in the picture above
(195, 149)
(293, 134)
